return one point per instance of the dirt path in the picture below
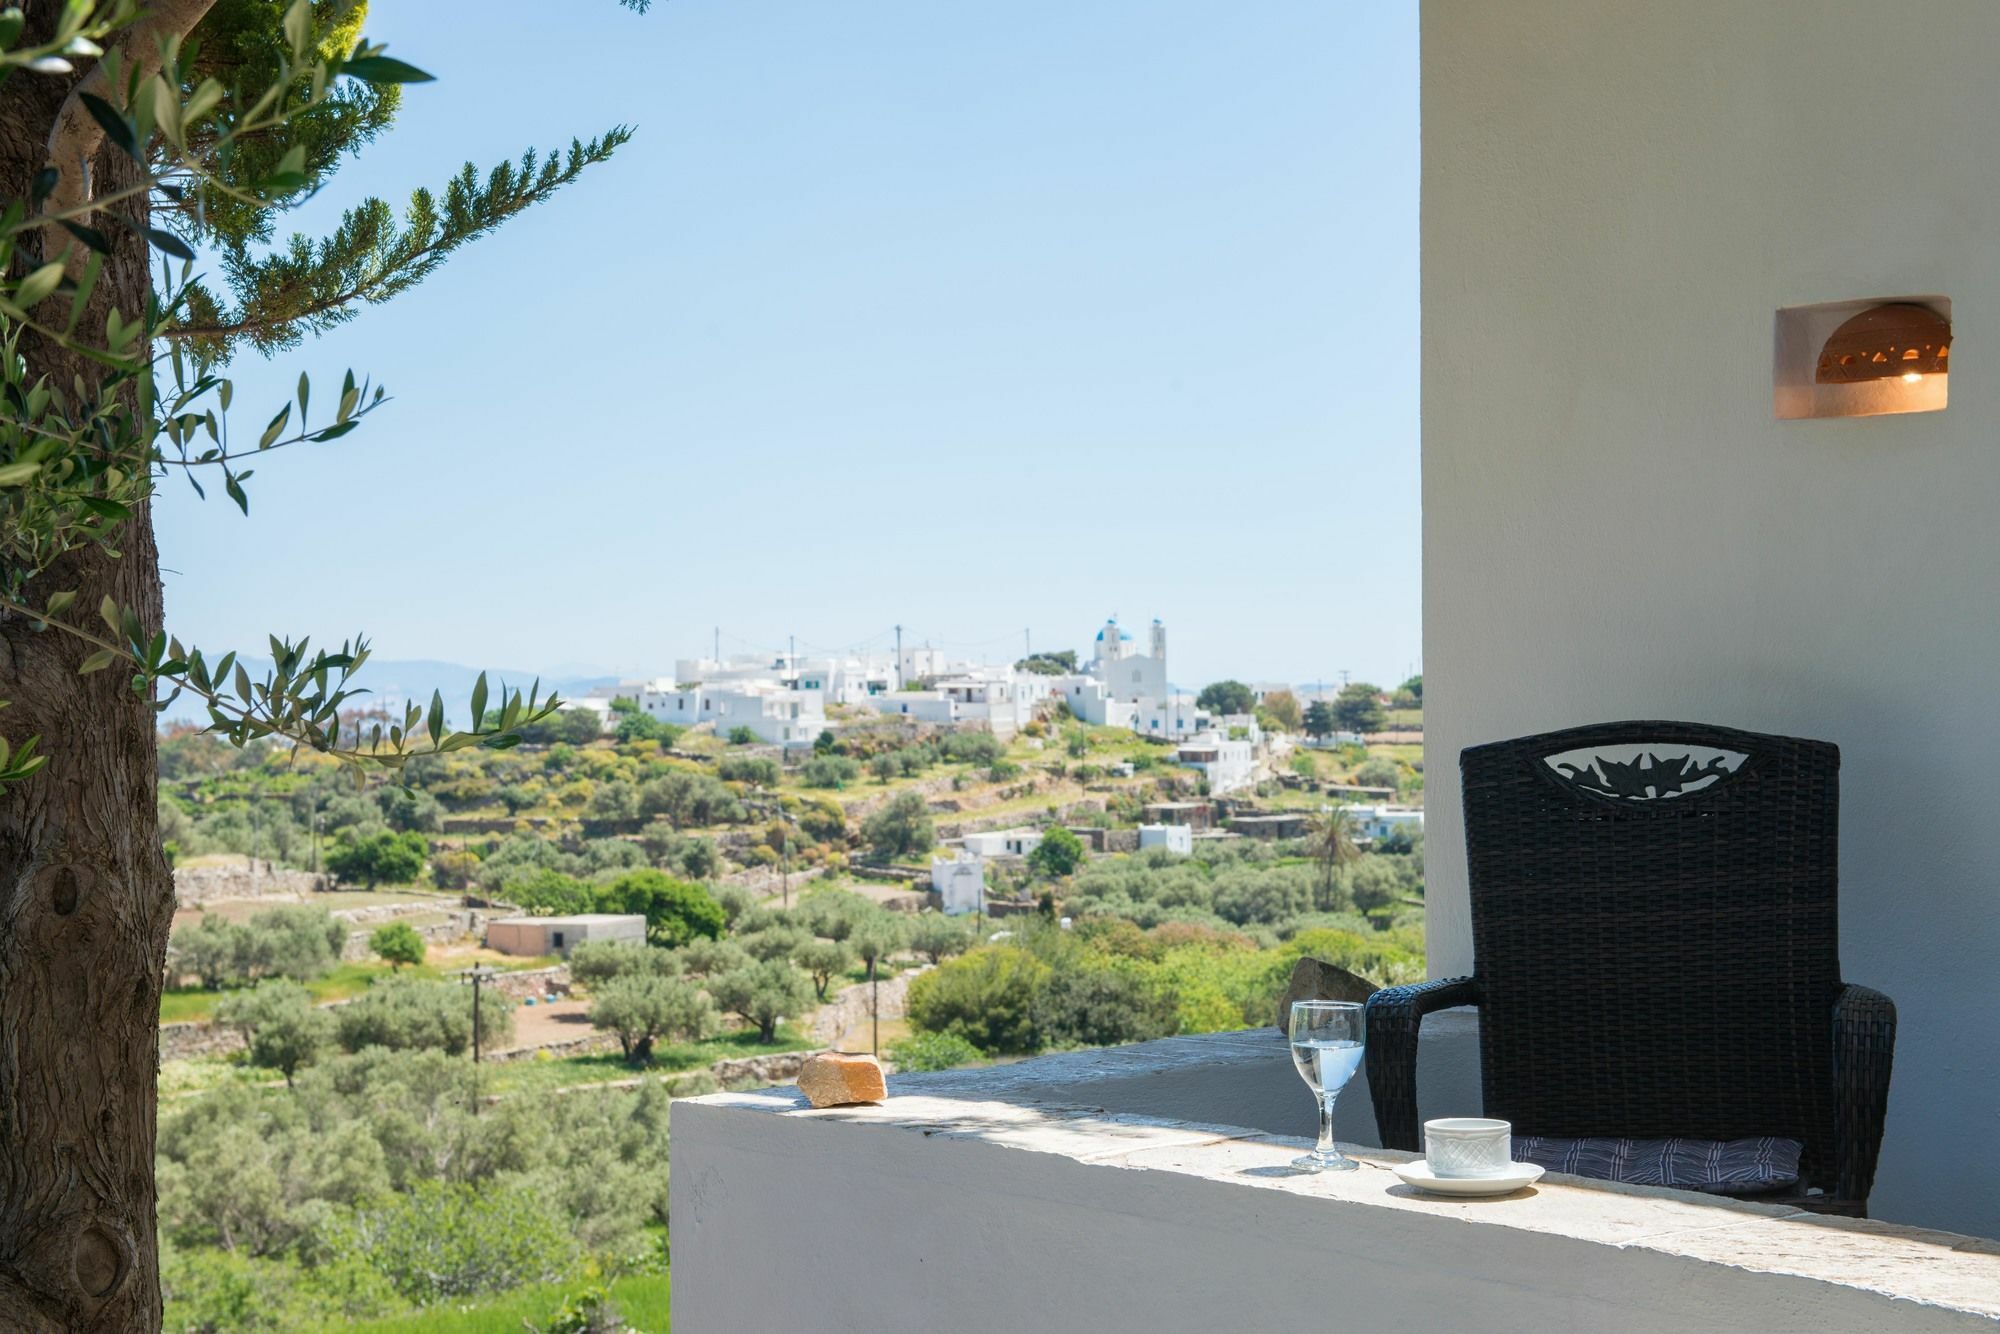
(546, 1024)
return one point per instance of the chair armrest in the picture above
(1395, 1018)
(1864, 1048)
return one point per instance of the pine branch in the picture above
(312, 286)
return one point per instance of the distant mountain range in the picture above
(390, 681)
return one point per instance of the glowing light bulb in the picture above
(1911, 377)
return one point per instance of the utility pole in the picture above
(718, 644)
(792, 658)
(874, 1010)
(1027, 647)
(899, 657)
(790, 825)
(478, 974)
(1343, 678)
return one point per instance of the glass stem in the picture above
(1325, 1148)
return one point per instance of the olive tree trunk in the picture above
(86, 898)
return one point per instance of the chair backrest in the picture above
(1655, 923)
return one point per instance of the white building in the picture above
(1175, 716)
(961, 882)
(1126, 673)
(1229, 763)
(1091, 701)
(1377, 822)
(1004, 842)
(997, 697)
(773, 713)
(1176, 838)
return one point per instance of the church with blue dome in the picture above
(1128, 674)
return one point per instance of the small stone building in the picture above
(534, 936)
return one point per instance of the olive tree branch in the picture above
(298, 700)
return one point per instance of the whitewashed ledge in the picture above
(1017, 1199)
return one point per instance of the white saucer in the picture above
(1419, 1174)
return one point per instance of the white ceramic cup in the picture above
(1468, 1146)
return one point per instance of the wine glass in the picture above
(1326, 1047)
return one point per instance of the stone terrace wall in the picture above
(533, 982)
(765, 880)
(849, 1005)
(461, 922)
(242, 880)
(198, 1037)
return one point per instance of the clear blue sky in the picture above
(974, 316)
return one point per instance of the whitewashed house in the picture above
(1229, 764)
(773, 714)
(1004, 842)
(999, 698)
(1175, 838)
(960, 881)
(1174, 717)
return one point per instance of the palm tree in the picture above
(1330, 842)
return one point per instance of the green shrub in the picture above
(1100, 1007)
(1380, 772)
(822, 960)
(938, 937)
(748, 769)
(822, 821)
(397, 859)
(763, 994)
(829, 771)
(410, 1013)
(676, 911)
(645, 727)
(443, 1240)
(780, 940)
(296, 941)
(974, 748)
(903, 828)
(932, 1051)
(397, 943)
(690, 799)
(985, 997)
(551, 893)
(282, 1027)
(1058, 854)
(595, 962)
(641, 1008)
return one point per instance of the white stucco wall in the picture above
(1616, 200)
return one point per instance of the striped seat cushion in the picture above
(1720, 1167)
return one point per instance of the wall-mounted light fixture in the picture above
(1863, 358)
(1900, 340)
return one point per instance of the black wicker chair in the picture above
(1655, 934)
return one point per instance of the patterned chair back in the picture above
(1655, 926)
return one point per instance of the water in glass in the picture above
(1326, 1048)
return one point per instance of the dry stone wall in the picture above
(244, 879)
(196, 1037)
(849, 1005)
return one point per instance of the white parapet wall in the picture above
(1023, 1199)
